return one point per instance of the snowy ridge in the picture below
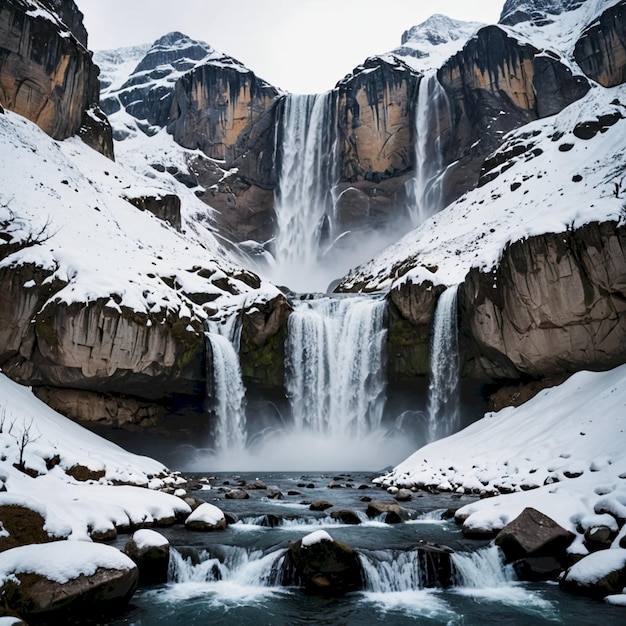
(474, 230)
(429, 44)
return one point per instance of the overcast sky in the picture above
(303, 46)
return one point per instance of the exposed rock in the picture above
(345, 516)
(435, 564)
(598, 538)
(150, 551)
(255, 484)
(34, 594)
(538, 568)
(320, 505)
(403, 495)
(601, 50)
(23, 525)
(276, 495)
(263, 335)
(538, 12)
(237, 494)
(533, 534)
(106, 409)
(494, 84)
(83, 473)
(326, 566)
(96, 131)
(46, 72)
(392, 511)
(165, 206)
(98, 347)
(558, 305)
(597, 575)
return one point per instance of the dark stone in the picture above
(538, 568)
(152, 561)
(346, 516)
(83, 473)
(326, 567)
(393, 512)
(255, 484)
(533, 534)
(275, 495)
(403, 495)
(435, 564)
(320, 505)
(608, 577)
(165, 206)
(598, 538)
(237, 494)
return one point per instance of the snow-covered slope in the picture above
(52, 445)
(562, 452)
(74, 201)
(427, 45)
(558, 182)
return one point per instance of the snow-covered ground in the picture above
(53, 444)
(538, 194)
(562, 452)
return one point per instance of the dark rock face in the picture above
(327, 567)
(46, 72)
(601, 50)
(435, 564)
(263, 335)
(393, 512)
(558, 307)
(166, 207)
(152, 561)
(533, 534)
(539, 12)
(96, 131)
(496, 84)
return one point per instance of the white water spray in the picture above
(432, 118)
(483, 569)
(335, 365)
(303, 202)
(444, 412)
(225, 385)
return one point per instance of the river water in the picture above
(234, 581)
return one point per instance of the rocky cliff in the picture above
(46, 71)
(601, 50)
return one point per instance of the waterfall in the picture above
(307, 173)
(225, 385)
(230, 563)
(335, 364)
(483, 569)
(389, 571)
(432, 118)
(444, 389)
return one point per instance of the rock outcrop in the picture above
(495, 84)
(538, 12)
(601, 50)
(556, 303)
(46, 72)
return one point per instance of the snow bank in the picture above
(61, 561)
(70, 507)
(206, 513)
(562, 452)
(596, 566)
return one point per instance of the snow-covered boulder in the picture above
(151, 553)
(65, 576)
(325, 566)
(598, 575)
(206, 517)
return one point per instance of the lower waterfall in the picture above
(226, 390)
(335, 365)
(444, 389)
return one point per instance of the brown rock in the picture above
(345, 516)
(533, 534)
(597, 575)
(165, 206)
(152, 560)
(84, 473)
(392, 511)
(237, 494)
(320, 505)
(24, 526)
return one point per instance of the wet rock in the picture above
(435, 564)
(538, 568)
(403, 495)
(393, 513)
(293, 492)
(345, 516)
(325, 566)
(333, 484)
(193, 503)
(237, 494)
(598, 538)
(271, 521)
(533, 534)
(150, 551)
(597, 575)
(320, 505)
(276, 495)
(255, 484)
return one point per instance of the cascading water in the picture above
(335, 365)
(432, 115)
(482, 569)
(444, 389)
(307, 173)
(225, 386)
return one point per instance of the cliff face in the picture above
(46, 72)
(494, 85)
(601, 50)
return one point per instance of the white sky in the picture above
(303, 46)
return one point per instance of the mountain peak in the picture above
(538, 12)
(438, 29)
